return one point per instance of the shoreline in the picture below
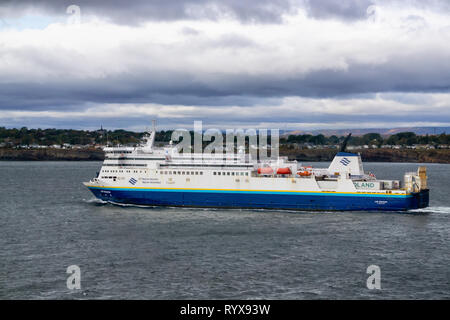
(373, 155)
(306, 155)
(51, 154)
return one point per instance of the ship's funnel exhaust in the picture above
(345, 162)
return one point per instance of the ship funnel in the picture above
(348, 163)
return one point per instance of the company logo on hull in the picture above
(132, 181)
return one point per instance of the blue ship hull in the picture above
(260, 199)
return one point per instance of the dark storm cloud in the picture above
(357, 9)
(137, 11)
(264, 11)
(172, 88)
(348, 9)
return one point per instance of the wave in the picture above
(95, 201)
(445, 210)
(126, 205)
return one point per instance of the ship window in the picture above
(228, 173)
(192, 172)
(187, 172)
(174, 172)
(246, 173)
(182, 172)
(232, 173)
(214, 173)
(196, 172)
(170, 172)
(218, 173)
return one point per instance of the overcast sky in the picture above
(287, 64)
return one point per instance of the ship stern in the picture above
(422, 198)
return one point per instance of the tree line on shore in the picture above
(401, 138)
(48, 137)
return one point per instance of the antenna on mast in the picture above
(151, 139)
(344, 144)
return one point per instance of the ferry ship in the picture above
(162, 176)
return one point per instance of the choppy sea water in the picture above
(49, 221)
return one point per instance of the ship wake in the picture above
(95, 201)
(440, 210)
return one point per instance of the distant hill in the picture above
(421, 131)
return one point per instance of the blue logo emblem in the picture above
(345, 161)
(132, 181)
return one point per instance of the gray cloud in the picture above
(349, 9)
(137, 11)
(68, 78)
(172, 88)
(133, 12)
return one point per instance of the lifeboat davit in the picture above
(265, 170)
(284, 171)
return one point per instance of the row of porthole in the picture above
(218, 173)
(227, 173)
(121, 171)
(182, 172)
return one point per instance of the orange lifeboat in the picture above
(265, 170)
(304, 173)
(283, 171)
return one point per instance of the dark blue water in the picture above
(48, 221)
